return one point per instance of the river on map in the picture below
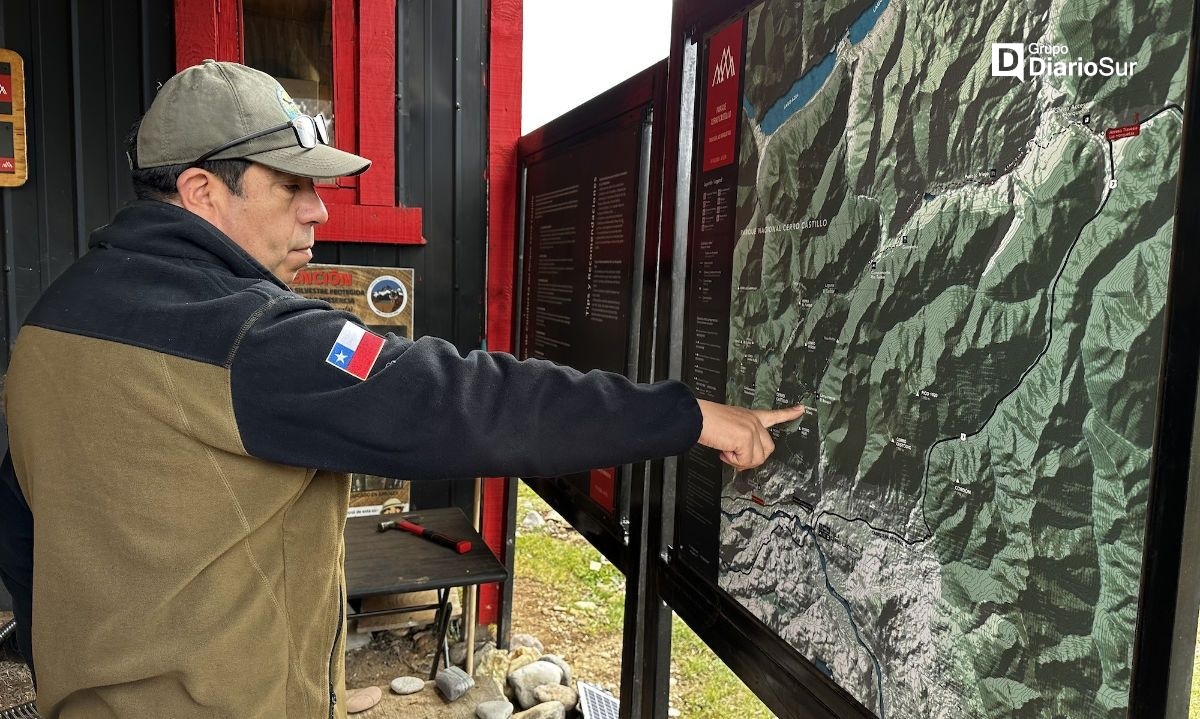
(833, 592)
(812, 81)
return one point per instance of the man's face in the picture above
(273, 219)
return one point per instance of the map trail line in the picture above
(1049, 338)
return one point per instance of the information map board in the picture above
(581, 274)
(947, 229)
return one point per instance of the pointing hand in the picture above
(741, 434)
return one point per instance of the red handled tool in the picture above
(462, 546)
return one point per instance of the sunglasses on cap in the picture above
(309, 131)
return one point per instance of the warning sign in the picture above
(13, 161)
(382, 297)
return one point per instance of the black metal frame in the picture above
(1170, 588)
(621, 107)
(91, 69)
(1161, 680)
(441, 111)
(625, 538)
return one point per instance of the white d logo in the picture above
(1008, 60)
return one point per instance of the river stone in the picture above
(527, 640)
(483, 651)
(498, 709)
(493, 664)
(528, 678)
(567, 696)
(428, 704)
(454, 682)
(549, 710)
(360, 700)
(561, 664)
(407, 685)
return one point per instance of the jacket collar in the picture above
(160, 228)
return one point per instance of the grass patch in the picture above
(702, 686)
(568, 567)
(705, 688)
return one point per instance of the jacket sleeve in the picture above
(424, 411)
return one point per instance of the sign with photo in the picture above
(382, 297)
(14, 165)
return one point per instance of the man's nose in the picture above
(313, 211)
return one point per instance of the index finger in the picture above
(772, 417)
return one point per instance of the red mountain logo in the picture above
(726, 68)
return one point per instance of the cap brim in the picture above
(319, 161)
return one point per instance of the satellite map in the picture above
(953, 231)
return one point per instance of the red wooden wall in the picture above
(504, 129)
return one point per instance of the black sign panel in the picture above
(956, 244)
(580, 209)
(577, 280)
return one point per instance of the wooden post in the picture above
(470, 613)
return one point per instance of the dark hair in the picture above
(158, 183)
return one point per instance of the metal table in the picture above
(394, 562)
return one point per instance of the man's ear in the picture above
(199, 191)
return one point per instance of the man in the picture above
(181, 424)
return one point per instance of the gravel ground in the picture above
(16, 687)
(390, 654)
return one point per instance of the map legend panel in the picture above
(580, 215)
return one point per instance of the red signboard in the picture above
(721, 96)
(5, 88)
(601, 488)
(1120, 133)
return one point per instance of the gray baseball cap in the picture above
(215, 103)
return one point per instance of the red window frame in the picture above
(362, 208)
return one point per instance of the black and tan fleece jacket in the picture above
(181, 435)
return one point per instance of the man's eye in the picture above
(292, 187)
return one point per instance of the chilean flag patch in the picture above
(355, 350)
